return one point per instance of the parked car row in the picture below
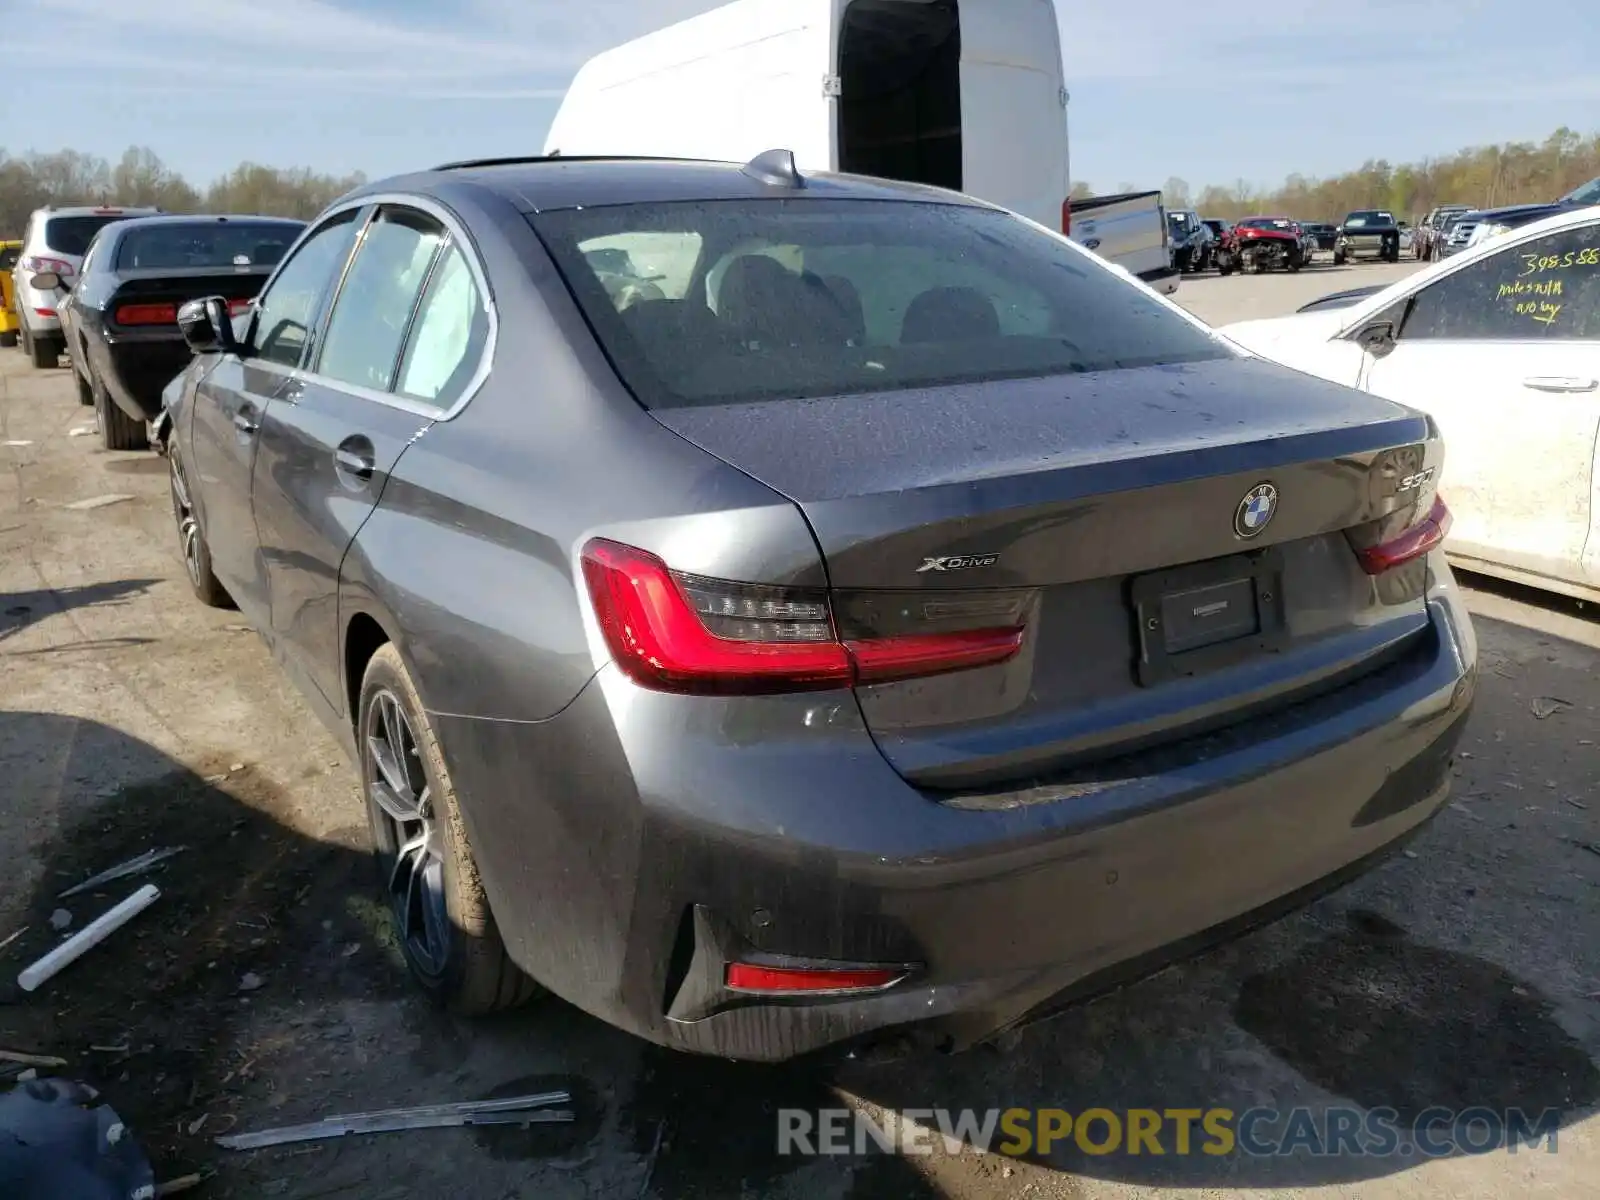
(104, 285)
(1265, 243)
(558, 488)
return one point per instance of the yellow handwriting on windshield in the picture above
(1537, 287)
(1541, 311)
(1535, 264)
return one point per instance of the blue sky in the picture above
(1212, 93)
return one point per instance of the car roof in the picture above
(201, 219)
(548, 184)
(92, 210)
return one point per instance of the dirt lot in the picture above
(261, 989)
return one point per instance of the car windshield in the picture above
(177, 244)
(1369, 217)
(1589, 193)
(72, 235)
(1266, 222)
(786, 299)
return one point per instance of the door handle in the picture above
(244, 422)
(1560, 383)
(355, 458)
(291, 391)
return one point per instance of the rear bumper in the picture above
(637, 842)
(136, 368)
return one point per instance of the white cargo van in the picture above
(966, 95)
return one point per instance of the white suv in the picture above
(55, 241)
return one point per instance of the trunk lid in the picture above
(1071, 500)
(164, 286)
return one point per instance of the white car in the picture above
(1501, 345)
(54, 241)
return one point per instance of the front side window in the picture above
(448, 336)
(286, 311)
(1544, 289)
(795, 298)
(375, 302)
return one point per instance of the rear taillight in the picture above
(1066, 215)
(35, 264)
(146, 314)
(1411, 544)
(685, 633)
(789, 981)
(235, 307)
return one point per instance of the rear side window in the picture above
(179, 244)
(72, 235)
(796, 298)
(375, 302)
(448, 336)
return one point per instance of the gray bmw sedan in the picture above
(771, 611)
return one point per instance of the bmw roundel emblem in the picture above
(1255, 511)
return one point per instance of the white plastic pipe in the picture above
(87, 938)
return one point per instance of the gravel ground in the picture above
(262, 988)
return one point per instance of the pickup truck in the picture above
(1129, 229)
(1370, 231)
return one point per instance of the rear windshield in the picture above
(72, 235)
(1369, 218)
(205, 244)
(734, 301)
(1265, 222)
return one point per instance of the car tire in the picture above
(1338, 259)
(43, 354)
(85, 389)
(8, 339)
(192, 545)
(440, 912)
(118, 431)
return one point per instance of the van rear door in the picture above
(1011, 80)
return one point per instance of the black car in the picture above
(120, 318)
(1503, 220)
(1371, 232)
(1192, 241)
(1325, 234)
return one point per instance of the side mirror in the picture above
(46, 281)
(1377, 339)
(206, 326)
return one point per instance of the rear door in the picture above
(330, 440)
(232, 400)
(1011, 80)
(1506, 355)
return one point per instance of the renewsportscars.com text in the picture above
(1216, 1132)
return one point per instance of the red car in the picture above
(1260, 244)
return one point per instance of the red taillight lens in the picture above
(44, 312)
(34, 264)
(235, 307)
(748, 977)
(684, 633)
(1416, 541)
(1066, 215)
(146, 314)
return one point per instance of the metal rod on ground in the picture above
(31, 1060)
(133, 866)
(504, 1110)
(336, 1127)
(87, 938)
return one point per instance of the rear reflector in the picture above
(684, 633)
(44, 312)
(747, 977)
(1412, 544)
(146, 314)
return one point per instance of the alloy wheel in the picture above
(402, 800)
(188, 523)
